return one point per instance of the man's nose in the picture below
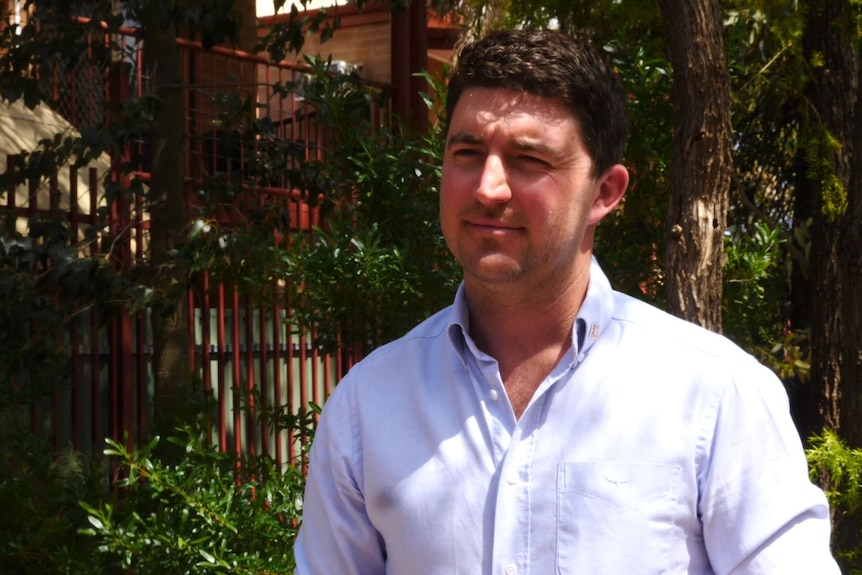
(493, 186)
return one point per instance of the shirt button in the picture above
(493, 394)
(512, 479)
(511, 569)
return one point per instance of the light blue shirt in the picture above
(653, 447)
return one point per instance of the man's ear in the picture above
(612, 187)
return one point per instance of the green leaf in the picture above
(95, 522)
(207, 555)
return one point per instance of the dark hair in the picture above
(549, 64)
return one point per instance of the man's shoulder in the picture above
(410, 351)
(397, 369)
(430, 329)
(665, 330)
(685, 352)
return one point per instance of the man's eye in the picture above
(532, 160)
(465, 152)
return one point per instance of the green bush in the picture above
(377, 263)
(187, 507)
(39, 494)
(838, 468)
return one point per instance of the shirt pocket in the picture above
(615, 517)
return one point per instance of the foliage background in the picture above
(377, 268)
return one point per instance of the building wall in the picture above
(367, 44)
(364, 38)
(246, 10)
(212, 76)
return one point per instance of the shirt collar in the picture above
(458, 329)
(596, 310)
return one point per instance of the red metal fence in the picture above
(237, 346)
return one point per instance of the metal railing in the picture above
(238, 349)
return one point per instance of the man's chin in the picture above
(495, 270)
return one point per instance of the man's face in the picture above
(517, 194)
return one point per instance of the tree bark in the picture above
(168, 219)
(701, 165)
(836, 333)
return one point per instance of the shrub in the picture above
(187, 507)
(838, 468)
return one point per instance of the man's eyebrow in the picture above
(463, 138)
(531, 145)
(525, 144)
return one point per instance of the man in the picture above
(544, 423)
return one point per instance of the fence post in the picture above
(120, 344)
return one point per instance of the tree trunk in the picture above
(171, 362)
(701, 166)
(836, 333)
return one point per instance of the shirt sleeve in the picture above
(336, 535)
(761, 514)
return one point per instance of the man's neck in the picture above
(526, 331)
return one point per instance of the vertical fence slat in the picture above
(221, 366)
(264, 345)
(236, 371)
(291, 389)
(250, 405)
(206, 341)
(277, 359)
(141, 380)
